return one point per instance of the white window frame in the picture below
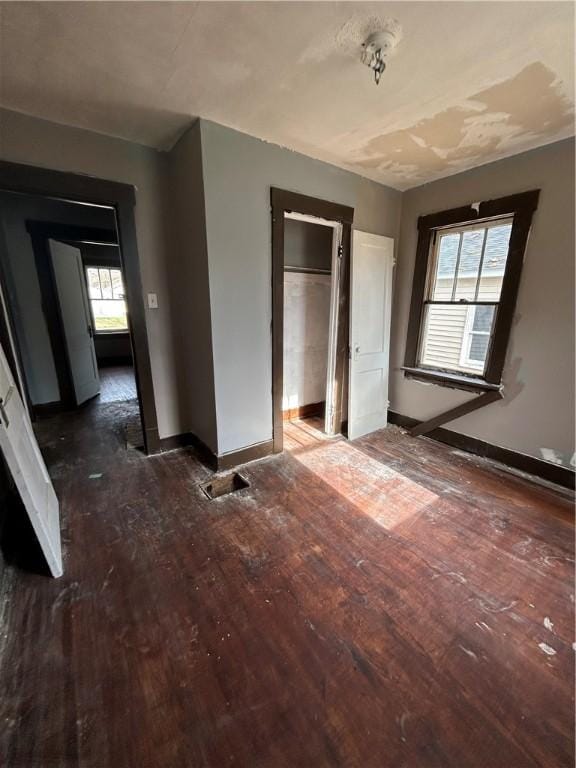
(465, 359)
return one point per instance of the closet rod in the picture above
(308, 270)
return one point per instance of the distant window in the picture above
(106, 292)
(466, 279)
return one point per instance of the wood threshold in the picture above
(304, 411)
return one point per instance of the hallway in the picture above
(117, 383)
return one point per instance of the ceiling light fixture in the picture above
(377, 48)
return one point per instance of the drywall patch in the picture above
(526, 106)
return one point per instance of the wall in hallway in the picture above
(25, 139)
(24, 287)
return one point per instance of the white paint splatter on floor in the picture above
(548, 650)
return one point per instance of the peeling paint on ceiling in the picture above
(470, 82)
(522, 108)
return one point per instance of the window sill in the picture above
(452, 380)
(111, 333)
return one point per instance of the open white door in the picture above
(372, 261)
(26, 465)
(76, 318)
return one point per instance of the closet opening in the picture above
(312, 251)
(310, 256)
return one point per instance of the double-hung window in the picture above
(466, 280)
(464, 286)
(107, 302)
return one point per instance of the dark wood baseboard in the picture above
(189, 440)
(304, 411)
(218, 463)
(553, 473)
(244, 455)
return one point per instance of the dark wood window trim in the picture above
(283, 202)
(44, 182)
(521, 207)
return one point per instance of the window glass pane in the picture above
(109, 315)
(495, 255)
(106, 283)
(454, 339)
(483, 319)
(476, 346)
(479, 347)
(443, 336)
(445, 267)
(93, 283)
(469, 264)
(117, 286)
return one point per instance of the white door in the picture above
(25, 463)
(372, 261)
(76, 318)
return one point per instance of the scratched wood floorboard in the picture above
(387, 602)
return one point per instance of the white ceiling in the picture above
(470, 81)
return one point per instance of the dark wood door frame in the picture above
(60, 185)
(283, 202)
(8, 339)
(40, 232)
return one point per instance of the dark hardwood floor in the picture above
(117, 383)
(388, 603)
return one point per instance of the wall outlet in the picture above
(152, 301)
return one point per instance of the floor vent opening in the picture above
(220, 486)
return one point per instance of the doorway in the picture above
(310, 299)
(312, 252)
(73, 308)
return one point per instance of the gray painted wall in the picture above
(25, 139)
(238, 173)
(307, 245)
(213, 347)
(537, 413)
(189, 290)
(23, 285)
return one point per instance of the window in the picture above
(467, 268)
(466, 280)
(106, 292)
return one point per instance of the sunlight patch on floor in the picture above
(378, 491)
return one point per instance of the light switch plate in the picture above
(152, 301)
